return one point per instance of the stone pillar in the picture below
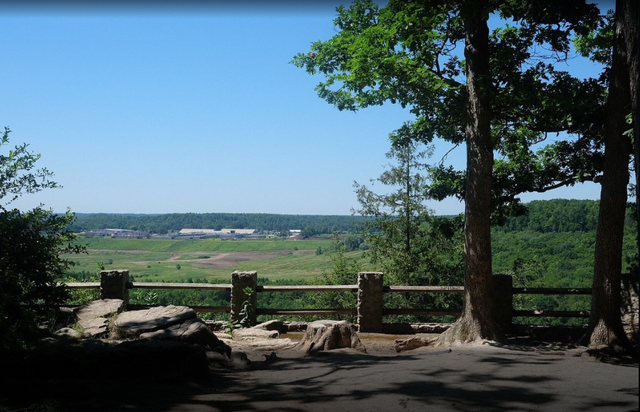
(113, 285)
(239, 282)
(503, 299)
(370, 301)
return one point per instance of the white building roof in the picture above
(239, 231)
(217, 232)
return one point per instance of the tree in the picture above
(413, 246)
(30, 247)
(503, 97)
(605, 325)
(30, 262)
(399, 216)
(478, 317)
(409, 244)
(17, 174)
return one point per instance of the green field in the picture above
(212, 260)
(548, 260)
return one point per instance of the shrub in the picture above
(30, 262)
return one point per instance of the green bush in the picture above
(30, 262)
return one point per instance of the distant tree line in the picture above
(544, 216)
(310, 225)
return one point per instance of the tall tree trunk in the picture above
(408, 224)
(605, 324)
(477, 321)
(631, 32)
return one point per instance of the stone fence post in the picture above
(240, 281)
(113, 285)
(503, 289)
(370, 301)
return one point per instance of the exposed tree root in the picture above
(468, 330)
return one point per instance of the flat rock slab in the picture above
(264, 345)
(255, 333)
(94, 327)
(193, 331)
(137, 322)
(180, 331)
(68, 333)
(99, 309)
(275, 325)
(93, 317)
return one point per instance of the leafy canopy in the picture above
(30, 247)
(18, 175)
(410, 53)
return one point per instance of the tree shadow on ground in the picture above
(443, 380)
(560, 347)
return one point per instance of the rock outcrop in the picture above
(134, 323)
(168, 323)
(94, 317)
(413, 342)
(262, 337)
(330, 334)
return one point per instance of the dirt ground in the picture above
(519, 376)
(230, 259)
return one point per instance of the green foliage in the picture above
(411, 246)
(246, 313)
(597, 45)
(30, 262)
(551, 259)
(18, 174)
(409, 53)
(557, 215)
(284, 300)
(144, 297)
(80, 296)
(406, 242)
(344, 271)
(31, 244)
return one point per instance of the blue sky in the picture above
(191, 109)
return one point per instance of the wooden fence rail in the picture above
(370, 303)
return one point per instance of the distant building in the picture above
(224, 233)
(137, 234)
(199, 232)
(239, 231)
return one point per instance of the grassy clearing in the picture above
(195, 245)
(212, 260)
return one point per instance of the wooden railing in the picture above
(370, 308)
(552, 313)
